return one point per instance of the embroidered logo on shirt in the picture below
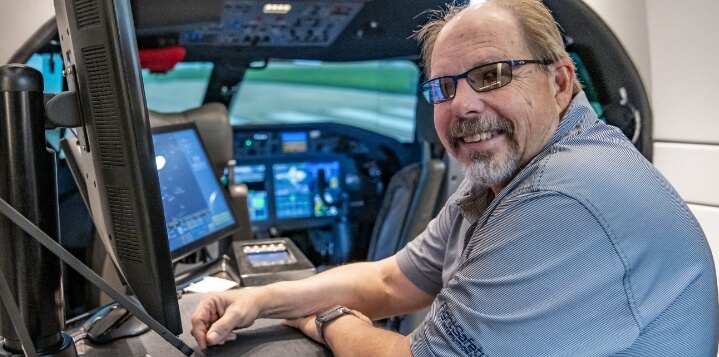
(456, 333)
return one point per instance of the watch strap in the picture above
(330, 315)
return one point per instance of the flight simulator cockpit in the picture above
(331, 147)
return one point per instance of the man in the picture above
(561, 241)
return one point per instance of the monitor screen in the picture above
(299, 192)
(197, 209)
(254, 177)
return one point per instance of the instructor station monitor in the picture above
(197, 208)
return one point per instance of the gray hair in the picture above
(541, 32)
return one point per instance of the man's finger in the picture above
(199, 335)
(201, 320)
(221, 328)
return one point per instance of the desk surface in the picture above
(264, 338)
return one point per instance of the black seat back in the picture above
(410, 201)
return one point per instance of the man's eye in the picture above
(489, 77)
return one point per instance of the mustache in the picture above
(478, 124)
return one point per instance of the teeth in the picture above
(480, 136)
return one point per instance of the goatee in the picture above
(488, 168)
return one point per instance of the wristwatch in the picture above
(330, 315)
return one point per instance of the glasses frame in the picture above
(455, 79)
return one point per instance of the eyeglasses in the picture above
(482, 78)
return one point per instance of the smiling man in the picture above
(561, 241)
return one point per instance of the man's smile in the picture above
(486, 135)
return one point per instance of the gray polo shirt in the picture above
(588, 251)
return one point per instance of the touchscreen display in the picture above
(194, 205)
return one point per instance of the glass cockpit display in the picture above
(294, 142)
(254, 177)
(194, 204)
(306, 189)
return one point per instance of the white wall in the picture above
(19, 19)
(675, 45)
(684, 44)
(684, 48)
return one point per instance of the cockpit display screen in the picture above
(254, 177)
(294, 142)
(306, 189)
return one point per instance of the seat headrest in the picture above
(214, 127)
(424, 121)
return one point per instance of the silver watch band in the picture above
(330, 315)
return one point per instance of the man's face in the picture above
(495, 133)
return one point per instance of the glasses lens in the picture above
(490, 77)
(438, 90)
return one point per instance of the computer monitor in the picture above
(197, 208)
(102, 68)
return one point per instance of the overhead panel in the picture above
(276, 24)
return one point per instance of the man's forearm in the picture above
(348, 336)
(378, 289)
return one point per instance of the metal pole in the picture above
(28, 183)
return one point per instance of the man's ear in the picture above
(563, 74)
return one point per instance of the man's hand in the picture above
(308, 327)
(218, 314)
(378, 289)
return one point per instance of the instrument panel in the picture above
(297, 23)
(297, 191)
(303, 176)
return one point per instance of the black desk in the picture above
(265, 338)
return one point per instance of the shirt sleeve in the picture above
(422, 259)
(540, 278)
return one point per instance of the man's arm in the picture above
(377, 289)
(355, 336)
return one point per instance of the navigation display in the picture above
(254, 177)
(306, 189)
(194, 204)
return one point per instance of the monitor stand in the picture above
(111, 323)
(25, 115)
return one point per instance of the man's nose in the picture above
(466, 100)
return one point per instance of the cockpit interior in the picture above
(322, 101)
(312, 120)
